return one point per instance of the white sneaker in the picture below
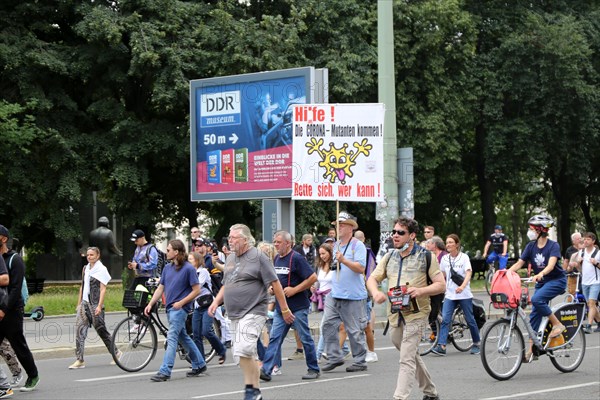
(77, 365)
(371, 357)
(276, 371)
(16, 379)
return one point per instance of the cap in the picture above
(198, 242)
(138, 233)
(4, 231)
(498, 227)
(346, 218)
(328, 239)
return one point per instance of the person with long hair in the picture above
(202, 323)
(90, 305)
(179, 282)
(457, 262)
(323, 286)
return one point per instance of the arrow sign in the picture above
(233, 138)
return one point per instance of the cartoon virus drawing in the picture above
(338, 162)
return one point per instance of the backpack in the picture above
(479, 312)
(160, 263)
(24, 289)
(594, 253)
(506, 289)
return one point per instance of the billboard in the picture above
(338, 152)
(241, 133)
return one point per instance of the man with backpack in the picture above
(588, 262)
(407, 272)
(11, 317)
(145, 259)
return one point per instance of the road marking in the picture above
(283, 386)
(523, 394)
(127, 375)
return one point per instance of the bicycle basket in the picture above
(133, 299)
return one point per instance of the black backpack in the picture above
(162, 260)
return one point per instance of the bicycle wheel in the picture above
(209, 351)
(502, 350)
(429, 337)
(568, 358)
(489, 275)
(134, 339)
(461, 335)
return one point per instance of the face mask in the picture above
(401, 249)
(532, 235)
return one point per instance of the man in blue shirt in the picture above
(296, 277)
(145, 259)
(179, 282)
(347, 301)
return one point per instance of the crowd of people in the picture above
(266, 289)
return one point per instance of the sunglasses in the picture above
(395, 232)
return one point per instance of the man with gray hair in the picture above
(248, 275)
(296, 277)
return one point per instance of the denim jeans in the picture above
(177, 333)
(278, 334)
(466, 305)
(202, 324)
(543, 295)
(502, 260)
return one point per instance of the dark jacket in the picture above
(16, 273)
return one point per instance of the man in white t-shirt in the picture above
(588, 262)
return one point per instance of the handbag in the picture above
(456, 277)
(204, 301)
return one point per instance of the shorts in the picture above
(591, 292)
(369, 307)
(245, 334)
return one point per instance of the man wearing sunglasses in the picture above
(408, 265)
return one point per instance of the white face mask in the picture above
(532, 235)
(401, 249)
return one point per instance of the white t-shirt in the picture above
(98, 272)
(590, 275)
(461, 265)
(324, 279)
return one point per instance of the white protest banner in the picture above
(338, 152)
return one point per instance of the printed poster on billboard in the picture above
(338, 152)
(241, 133)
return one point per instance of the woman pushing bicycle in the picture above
(550, 279)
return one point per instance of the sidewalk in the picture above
(54, 337)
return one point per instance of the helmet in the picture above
(541, 222)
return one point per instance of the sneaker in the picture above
(371, 357)
(160, 377)
(475, 349)
(227, 344)
(428, 397)
(297, 355)
(252, 394)
(264, 376)
(439, 350)
(587, 329)
(276, 371)
(324, 355)
(119, 355)
(331, 365)
(311, 375)
(356, 368)
(77, 365)
(30, 384)
(196, 371)
(4, 393)
(597, 328)
(16, 379)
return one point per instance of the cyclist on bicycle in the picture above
(550, 279)
(499, 243)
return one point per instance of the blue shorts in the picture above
(369, 306)
(591, 292)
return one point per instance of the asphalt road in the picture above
(457, 376)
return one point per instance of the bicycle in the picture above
(459, 334)
(503, 344)
(488, 277)
(134, 342)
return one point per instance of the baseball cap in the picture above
(4, 231)
(346, 218)
(138, 233)
(498, 227)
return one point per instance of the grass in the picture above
(60, 300)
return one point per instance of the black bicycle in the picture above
(135, 341)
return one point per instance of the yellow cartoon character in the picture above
(338, 162)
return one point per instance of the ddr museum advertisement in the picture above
(338, 152)
(241, 133)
